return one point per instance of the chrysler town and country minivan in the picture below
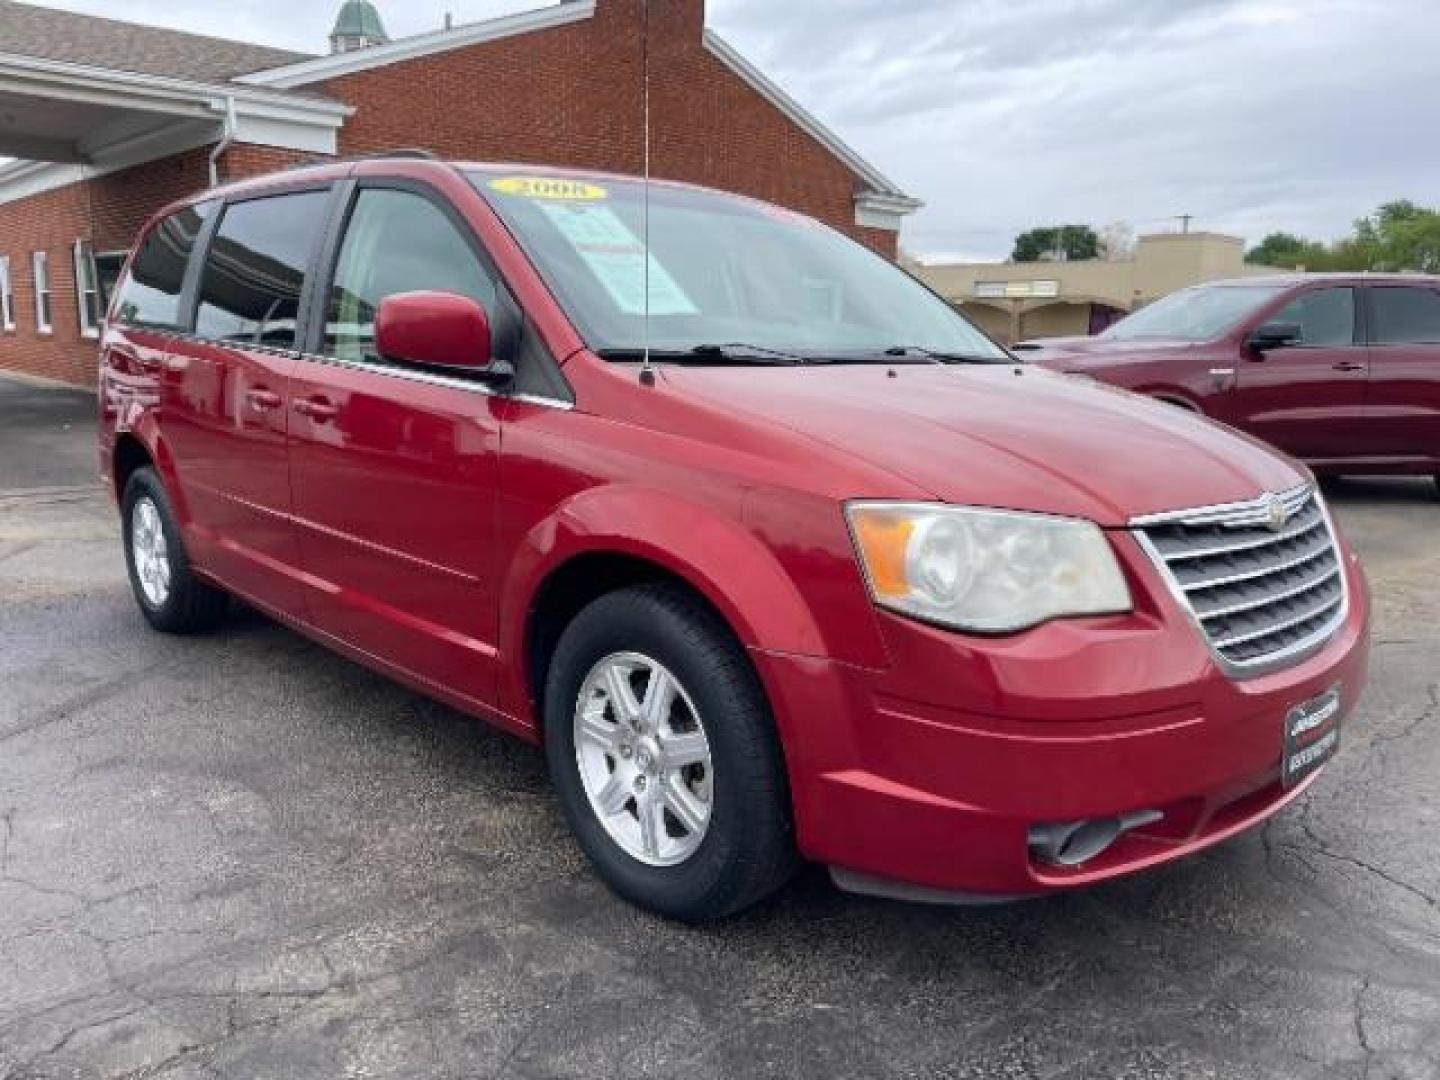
(776, 555)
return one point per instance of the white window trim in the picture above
(88, 328)
(40, 271)
(7, 296)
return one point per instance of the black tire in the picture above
(748, 850)
(190, 605)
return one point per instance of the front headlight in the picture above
(987, 571)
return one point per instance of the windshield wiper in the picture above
(711, 354)
(734, 351)
(945, 357)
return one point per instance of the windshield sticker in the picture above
(618, 260)
(549, 187)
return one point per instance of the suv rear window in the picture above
(1404, 316)
(150, 294)
(256, 269)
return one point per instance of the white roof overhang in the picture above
(59, 117)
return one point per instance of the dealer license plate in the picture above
(1312, 736)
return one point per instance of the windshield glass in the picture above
(1200, 314)
(723, 271)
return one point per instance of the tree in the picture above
(1398, 236)
(1057, 243)
(1280, 249)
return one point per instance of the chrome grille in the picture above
(1262, 595)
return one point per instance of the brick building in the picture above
(112, 120)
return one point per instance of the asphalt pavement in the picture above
(241, 856)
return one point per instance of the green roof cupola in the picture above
(358, 26)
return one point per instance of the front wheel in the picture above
(665, 758)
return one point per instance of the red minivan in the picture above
(1339, 370)
(776, 554)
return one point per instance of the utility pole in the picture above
(1184, 220)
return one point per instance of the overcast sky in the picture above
(1252, 115)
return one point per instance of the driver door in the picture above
(395, 468)
(1308, 398)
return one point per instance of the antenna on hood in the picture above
(647, 367)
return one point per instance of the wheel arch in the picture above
(129, 455)
(580, 581)
(1177, 398)
(582, 552)
(140, 446)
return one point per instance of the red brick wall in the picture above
(245, 160)
(568, 96)
(51, 222)
(573, 96)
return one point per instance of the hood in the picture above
(1033, 345)
(1055, 352)
(1018, 438)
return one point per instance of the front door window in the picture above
(396, 242)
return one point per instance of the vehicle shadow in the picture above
(1380, 490)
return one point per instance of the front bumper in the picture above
(933, 772)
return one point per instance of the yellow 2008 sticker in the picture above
(549, 187)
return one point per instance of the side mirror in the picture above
(1275, 335)
(438, 329)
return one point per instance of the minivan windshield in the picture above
(1198, 314)
(730, 279)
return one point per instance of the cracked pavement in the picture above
(241, 856)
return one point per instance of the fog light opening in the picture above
(1073, 843)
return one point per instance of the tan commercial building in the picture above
(1016, 301)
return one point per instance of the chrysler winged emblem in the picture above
(1276, 515)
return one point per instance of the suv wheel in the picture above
(665, 758)
(171, 597)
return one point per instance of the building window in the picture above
(108, 265)
(7, 295)
(87, 290)
(41, 265)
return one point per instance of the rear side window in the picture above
(1325, 316)
(1404, 316)
(396, 242)
(255, 270)
(150, 293)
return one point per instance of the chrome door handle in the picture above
(262, 400)
(317, 409)
(1349, 365)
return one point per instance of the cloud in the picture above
(1252, 115)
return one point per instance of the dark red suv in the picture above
(1340, 370)
(775, 553)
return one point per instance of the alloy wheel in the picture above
(644, 759)
(150, 551)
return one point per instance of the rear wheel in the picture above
(171, 597)
(665, 758)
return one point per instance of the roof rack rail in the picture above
(406, 153)
(401, 152)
